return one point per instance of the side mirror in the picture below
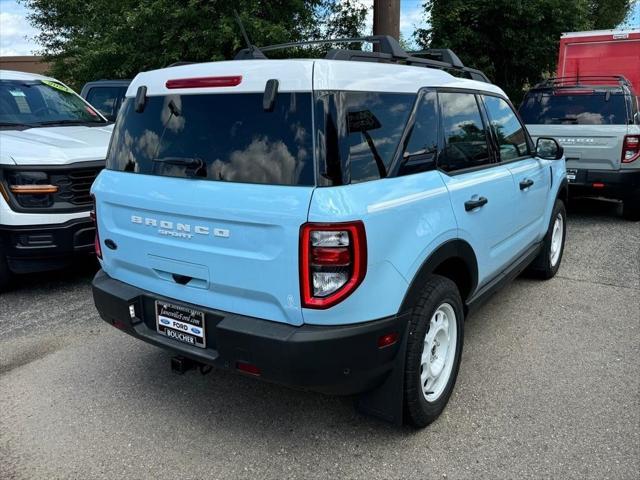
(548, 148)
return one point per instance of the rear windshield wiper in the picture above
(195, 163)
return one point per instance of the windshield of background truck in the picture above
(221, 137)
(42, 103)
(566, 108)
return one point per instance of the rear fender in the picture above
(459, 257)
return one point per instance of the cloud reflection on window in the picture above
(261, 162)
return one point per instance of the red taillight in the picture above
(572, 92)
(333, 262)
(204, 82)
(330, 256)
(96, 241)
(631, 148)
(597, 185)
(249, 368)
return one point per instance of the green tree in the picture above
(342, 19)
(513, 42)
(605, 14)
(86, 40)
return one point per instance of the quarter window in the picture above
(358, 133)
(421, 145)
(464, 133)
(507, 129)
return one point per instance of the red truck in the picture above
(601, 52)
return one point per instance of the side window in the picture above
(508, 130)
(464, 133)
(374, 122)
(421, 144)
(105, 100)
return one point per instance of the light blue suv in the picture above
(325, 224)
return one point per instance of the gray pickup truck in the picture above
(597, 121)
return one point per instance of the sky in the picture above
(17, 36)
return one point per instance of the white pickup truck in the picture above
(52, 146)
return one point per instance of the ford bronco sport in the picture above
(52, 146)
(597, 120)
(325, 224)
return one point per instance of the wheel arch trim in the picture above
(451, 249)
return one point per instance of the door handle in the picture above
(526, 183)
(473, 204)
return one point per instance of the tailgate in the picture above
(597, 147)
(227, 246)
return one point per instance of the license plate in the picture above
(181, 323)
(571, 174)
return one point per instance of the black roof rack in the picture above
(388, 51)
(179, 64)
(440, 54)
(579, 81)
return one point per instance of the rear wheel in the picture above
(631, 209)
(547, 262)
(434, 347)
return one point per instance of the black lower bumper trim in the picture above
(619, 184)
(341, 360)
(37, 248)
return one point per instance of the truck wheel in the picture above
(434, 347)
(5, 273)
(547, 262)
(631, 209)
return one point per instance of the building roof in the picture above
(24, 63)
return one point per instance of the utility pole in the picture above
(386, 18)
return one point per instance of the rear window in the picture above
(567, 108)
(221, 137)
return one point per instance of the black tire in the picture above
(542, 267)
(437, 291)
(5, 273)
(631, 209)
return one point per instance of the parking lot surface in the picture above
(549, 387)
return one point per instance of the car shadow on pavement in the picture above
(594, 207)
(229, 402)
(79, 273)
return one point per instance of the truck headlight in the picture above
(31, 189)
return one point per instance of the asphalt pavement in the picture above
(549, 387)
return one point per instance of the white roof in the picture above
(15, 75)
(305, 75)
(593, 33)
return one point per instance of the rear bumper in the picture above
(37, 248)
(619, 184)
(340, 360)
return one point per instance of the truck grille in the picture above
(75, 185)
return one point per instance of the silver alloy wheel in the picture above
(556, 240)
(438, 352)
